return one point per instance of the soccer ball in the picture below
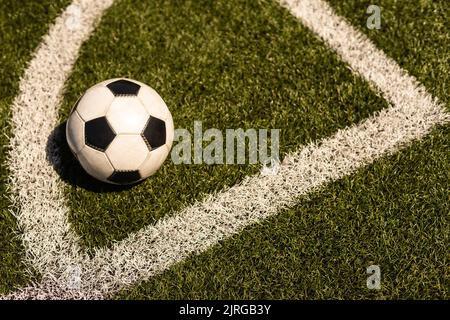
(121, 131)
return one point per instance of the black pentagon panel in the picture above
(98, 133)
(125, 177)
(155, 133)
(124, 87)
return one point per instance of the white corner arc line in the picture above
(50, 245)
(155, 248)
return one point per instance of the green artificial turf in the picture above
(227, 63)
(250, 64)
(22, 24)
(393, 214)
(414, 33)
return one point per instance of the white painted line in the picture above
(37, 190)
(195, 229)
(361, 54)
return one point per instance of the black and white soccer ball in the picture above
(121, 131)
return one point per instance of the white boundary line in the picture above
(51, 247)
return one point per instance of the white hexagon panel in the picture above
(75, 132)
(127, 115)
(121, 131)
(127, 152)
(153, 161)
(95, 163)
(94, 103)
(153, 103)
